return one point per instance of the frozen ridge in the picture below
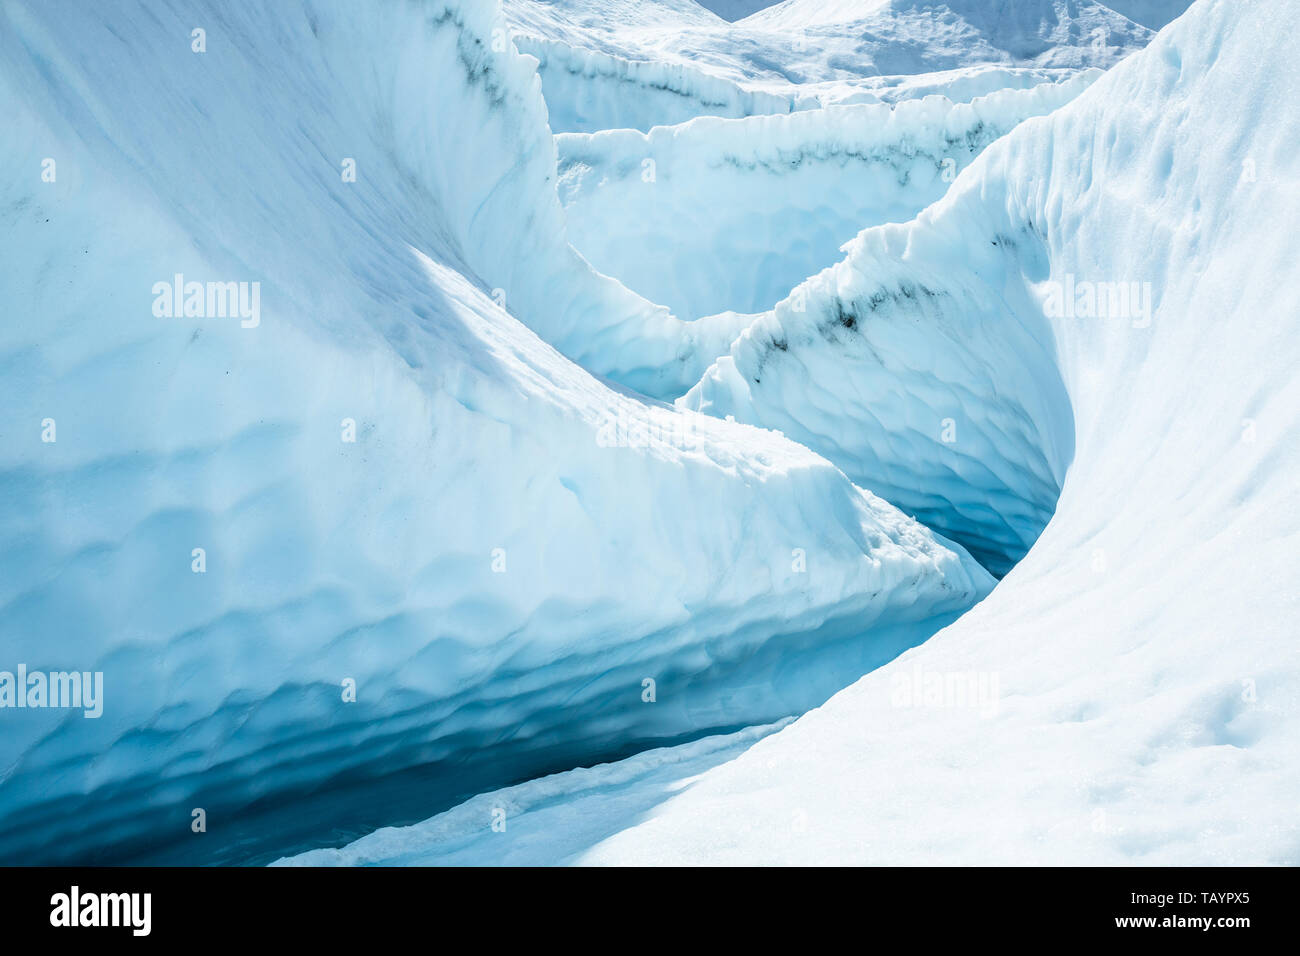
(589, 90)
(1128, 694)
(377, 474)
(632, 64)
(722, 215)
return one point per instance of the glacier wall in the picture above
(938, 388)
(729, 215)
(386, 479)
(918, 36)
(589, 90)
(652, 62)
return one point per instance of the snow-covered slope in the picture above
(378, 475)
(717, 215)
(1130, 693)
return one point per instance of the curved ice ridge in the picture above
(587, 90)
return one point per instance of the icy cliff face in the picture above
(729, 215)
(935, 382)
(375, 480)
(937, 385)
(587, 90)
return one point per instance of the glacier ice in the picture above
(1144, 647)
(588, 90)
(389, 481)
(937, 386)
(728, 215)
(614, 64)
(420, 532)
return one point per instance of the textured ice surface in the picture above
(610, 64)
(588, 90)
(499, 560)
(729, 215)
(935, 386)
(511, 547)
(1144, 650)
